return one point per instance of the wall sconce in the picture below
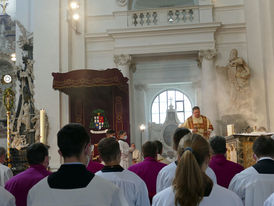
(13, 57)
(73, 15)
(142, 129)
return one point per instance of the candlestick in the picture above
(42, 126)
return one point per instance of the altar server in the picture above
(6, 198)
(149, 168)
(132, 185)
(19, 185)
(263, 148)
(191, 186)
(167, 174)
(73, 184)
(5, 172)
(126, 151)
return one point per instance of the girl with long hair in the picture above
(191, 186)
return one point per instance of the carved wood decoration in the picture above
(91, 90)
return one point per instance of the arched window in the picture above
(178, 99)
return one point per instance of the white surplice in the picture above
(133, 187)
(98, 192)
(6, 198)
(218, 196)
(125, 154)
(5, 174)
(270, 200)
(167, 174)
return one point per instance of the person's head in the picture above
(110, 133)
(74, 142)
(233, 54)
(149, 149)
(178, 135)
(263, 146)
(190, 179)
(159, 146)
(109, 151)
(37, 153)
(196, 111)
(218, 144)
(122, 135)
(133, 145)
(2, 155)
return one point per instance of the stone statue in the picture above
(238, 76)
(24, 117)
(19, 141)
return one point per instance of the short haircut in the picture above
(122, 132)
(159, 146)
(36, 153)
(263, 146)
(72, 139)
(2, 151)
(178, 135)
(195, 107)
(108, 149)
(218, 144)
(110, 131)
(149, 149)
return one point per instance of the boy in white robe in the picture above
(73, 184)
(133, 187)
(6, 198)
(167, 174)
(263, 148)
(126, 151)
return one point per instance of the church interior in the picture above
(135, 65)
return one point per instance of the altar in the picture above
(239, 147)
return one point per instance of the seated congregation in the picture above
(201, 175)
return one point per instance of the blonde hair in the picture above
(190, 181)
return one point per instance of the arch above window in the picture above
(162, 101)
(145, 4)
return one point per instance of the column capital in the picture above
(122, 60)
(208, 54)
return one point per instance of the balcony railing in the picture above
(163, 16)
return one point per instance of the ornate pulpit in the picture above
(239, 148)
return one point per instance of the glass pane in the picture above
(171, 97)
(180, 116)
(179, 95)
(156, 100)
(180, 106)
(188, 107)
(163, 107)
(162, 117)
(188, 114)
(163, 97)
(155, 108)
(155, 118)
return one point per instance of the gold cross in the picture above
(4, 4)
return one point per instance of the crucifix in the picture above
(4, 4)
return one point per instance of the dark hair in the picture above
(190, 182)
(149, 149)
(2, 151)
(108, 149)
(122, 132)
(263, 146)
(72, 139)
(159, 146)
(36, 153)
(178, 135)
(195, 107)
(218, 144)
(110, 131)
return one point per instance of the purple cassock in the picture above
(20, 184)
(94, 166)
(224, 169)
(148, 170)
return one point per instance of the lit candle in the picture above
(42, 126)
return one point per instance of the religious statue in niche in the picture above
(238, 74)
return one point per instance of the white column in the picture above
(123, 62)
(208, 89)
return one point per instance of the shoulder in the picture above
(165, 197)
(4, 168)
(224, 194)
(168, 168)
(6, 197)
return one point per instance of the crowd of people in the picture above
(201, 174)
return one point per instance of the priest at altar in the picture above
(198, 123)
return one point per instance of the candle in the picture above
(230, 129)
(42, 126)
